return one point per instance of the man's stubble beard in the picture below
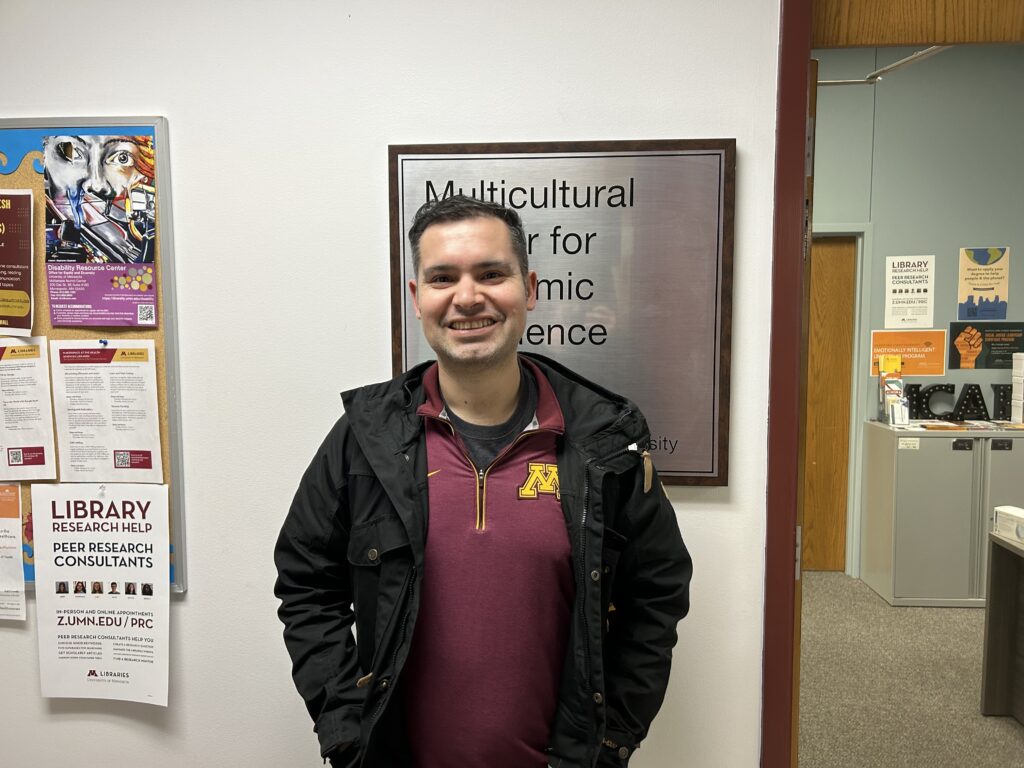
(476, 362)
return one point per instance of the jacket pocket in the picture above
(372, 542)
(382, 563)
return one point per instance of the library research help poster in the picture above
(909, 291)
(102, 590)
(632, 245)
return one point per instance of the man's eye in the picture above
(440, 279)
(493, 275)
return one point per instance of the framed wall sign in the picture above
(632, 242)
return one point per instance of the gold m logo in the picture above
(543, 478)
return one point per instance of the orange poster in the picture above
(10, 501)
(923, 352)
(12, 576)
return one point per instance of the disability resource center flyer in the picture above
(102, 590)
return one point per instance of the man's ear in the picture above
(531, 290)
(415, 299)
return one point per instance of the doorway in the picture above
(830, 343)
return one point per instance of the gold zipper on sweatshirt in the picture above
(481, 474)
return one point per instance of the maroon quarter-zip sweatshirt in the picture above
(480, 686)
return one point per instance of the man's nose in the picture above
(467, 293)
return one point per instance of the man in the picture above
(493, 527)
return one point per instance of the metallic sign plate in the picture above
(632, 243)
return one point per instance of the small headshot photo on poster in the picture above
(62, 587)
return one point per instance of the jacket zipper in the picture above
(583, 570)
(411, 591)
(583, 554)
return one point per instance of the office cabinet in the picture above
(927, 510)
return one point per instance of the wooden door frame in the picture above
(998, 22)
(813, 538)
(783, 383)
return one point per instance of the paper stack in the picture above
(1017, 394)
(1010, 523)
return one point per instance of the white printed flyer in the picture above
(102, 590)
(12, 572)
(26, 422)
(909, 291)
(108, 424)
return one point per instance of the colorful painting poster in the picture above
(12, 575)
(923, 352)
(102, 590)
(985, 345)
(101, 229)
(984, 283)
(16, 262)
(909, 289)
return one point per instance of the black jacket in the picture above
(354, 539)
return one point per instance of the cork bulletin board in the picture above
(142, 262)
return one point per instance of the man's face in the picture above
(470, 294)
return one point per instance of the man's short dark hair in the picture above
(459, 208)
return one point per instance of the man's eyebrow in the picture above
(438, 268)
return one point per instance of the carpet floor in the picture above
(884, 686)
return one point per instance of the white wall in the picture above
(280, 117)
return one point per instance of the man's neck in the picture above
(485, 396)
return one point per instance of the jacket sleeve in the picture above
(650, 594)
(315, 590)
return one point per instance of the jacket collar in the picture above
(384, 418)
(548, 415)
(599, 422)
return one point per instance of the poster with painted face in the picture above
(101, 230)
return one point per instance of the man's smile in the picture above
(470, 325)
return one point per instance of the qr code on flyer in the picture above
(14, 457)
(146, 314)
(122, 460)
